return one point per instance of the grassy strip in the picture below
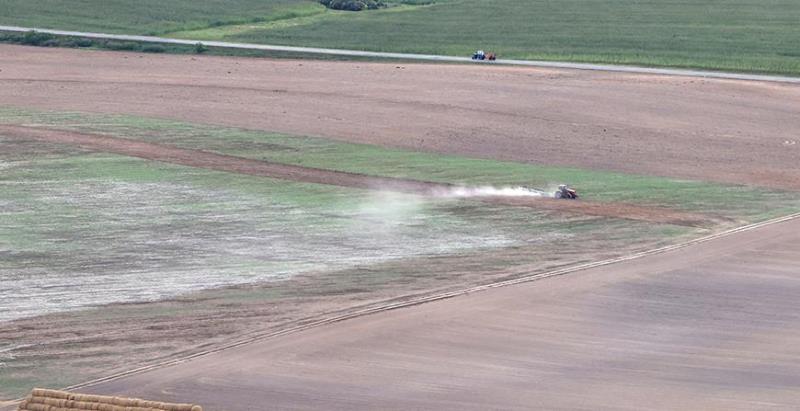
(738, 202)
(47, 40)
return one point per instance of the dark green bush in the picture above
(122, 45)
(84, 43)
(200, 48)
(45, 40)
(153, 48)
(34, 38)
(52, 43)
(353, 5)
(11, 37)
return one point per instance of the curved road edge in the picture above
(256, 337)
(417, 57)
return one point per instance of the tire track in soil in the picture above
(239, 165)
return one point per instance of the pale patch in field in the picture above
(99, 242)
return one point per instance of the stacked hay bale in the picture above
(54, 400)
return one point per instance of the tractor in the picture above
(481, 55)
(565, 192)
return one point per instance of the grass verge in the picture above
(39, 39)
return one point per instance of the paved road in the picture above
(712, 326)
(420, 57)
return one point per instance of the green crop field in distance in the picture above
(742, 36)
(746, 35)
(147, 16)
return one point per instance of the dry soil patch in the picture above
(721, 130)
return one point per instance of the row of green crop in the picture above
(35, 38)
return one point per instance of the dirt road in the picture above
(713, 326)
(721, 130)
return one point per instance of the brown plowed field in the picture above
(221, 162)
(720, 130)
(710, 326)
(714, 326)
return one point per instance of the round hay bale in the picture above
(93, 398)
(51, 393)
(36, 399)
(39, 392)
(119, 401)
(151, 404)
(197, 408)
(54, 402)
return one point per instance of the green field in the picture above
(145, 16)
(743, 35)
(80, 229)
(737, 202)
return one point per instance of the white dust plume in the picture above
(490, 191)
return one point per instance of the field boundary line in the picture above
(430, 298)
(413, 56)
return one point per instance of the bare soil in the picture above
(712, 326)
(233, 164)
(719, 130)
(70, 347)
(707, 327)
